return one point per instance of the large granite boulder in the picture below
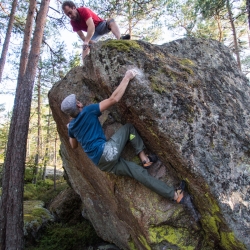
(66, 207)
(191, 106)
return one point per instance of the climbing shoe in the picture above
(185, 199)
(152, 159)
(125, 37)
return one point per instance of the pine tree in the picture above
(248, 12)
(210, 9)
(38, 144)
(131, 14)
(11, 221)
(7, 38)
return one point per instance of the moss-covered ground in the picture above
(67, 237)
(43, 190)
(55, 235)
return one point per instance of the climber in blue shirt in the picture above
(85, 128)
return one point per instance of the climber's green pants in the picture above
(112, 162)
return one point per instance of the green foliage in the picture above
(133, 16)
(47, 183)
(35, 214)
(28, 175)
(67, 237)
(74, 61)
(246, 64)
(2, 107)
(181, 16)
(30, 192)
(222, 20)
(40, 212)
(43, 190)
(1, 174)
(208, 30)
(4, 127)
(49, 194)
(48, 135)
(19, 16)
(209, 8)
(148, 33)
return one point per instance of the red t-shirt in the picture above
(85, 14)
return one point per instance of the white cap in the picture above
(69, 106)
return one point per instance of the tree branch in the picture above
(51, 50)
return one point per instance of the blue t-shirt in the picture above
(87, 130)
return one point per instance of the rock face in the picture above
(66, 207)
(36, 217)
(191, 106)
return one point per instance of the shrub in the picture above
(66, 237)
(30, 192)
(45, 184)
(29, 174)
(48, 194)
(43, 190)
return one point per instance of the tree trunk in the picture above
(217, 18)
(248, 35)
(236, 46)
(11, 221)
(55, 162)
(38, 127)
(7, 38)
(28, 149)
(26, 40)
(130, 19)
(248, 12)
(46, 155)
(6, 138)
(7, 171)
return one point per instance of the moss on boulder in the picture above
(35, 217)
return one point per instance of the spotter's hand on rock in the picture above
(85, 46)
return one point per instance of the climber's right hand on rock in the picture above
(131, 73)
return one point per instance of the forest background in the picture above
(155, 21)
(59, 49)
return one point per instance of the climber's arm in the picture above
(81, 35)
(118, 93)
(73, 142)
